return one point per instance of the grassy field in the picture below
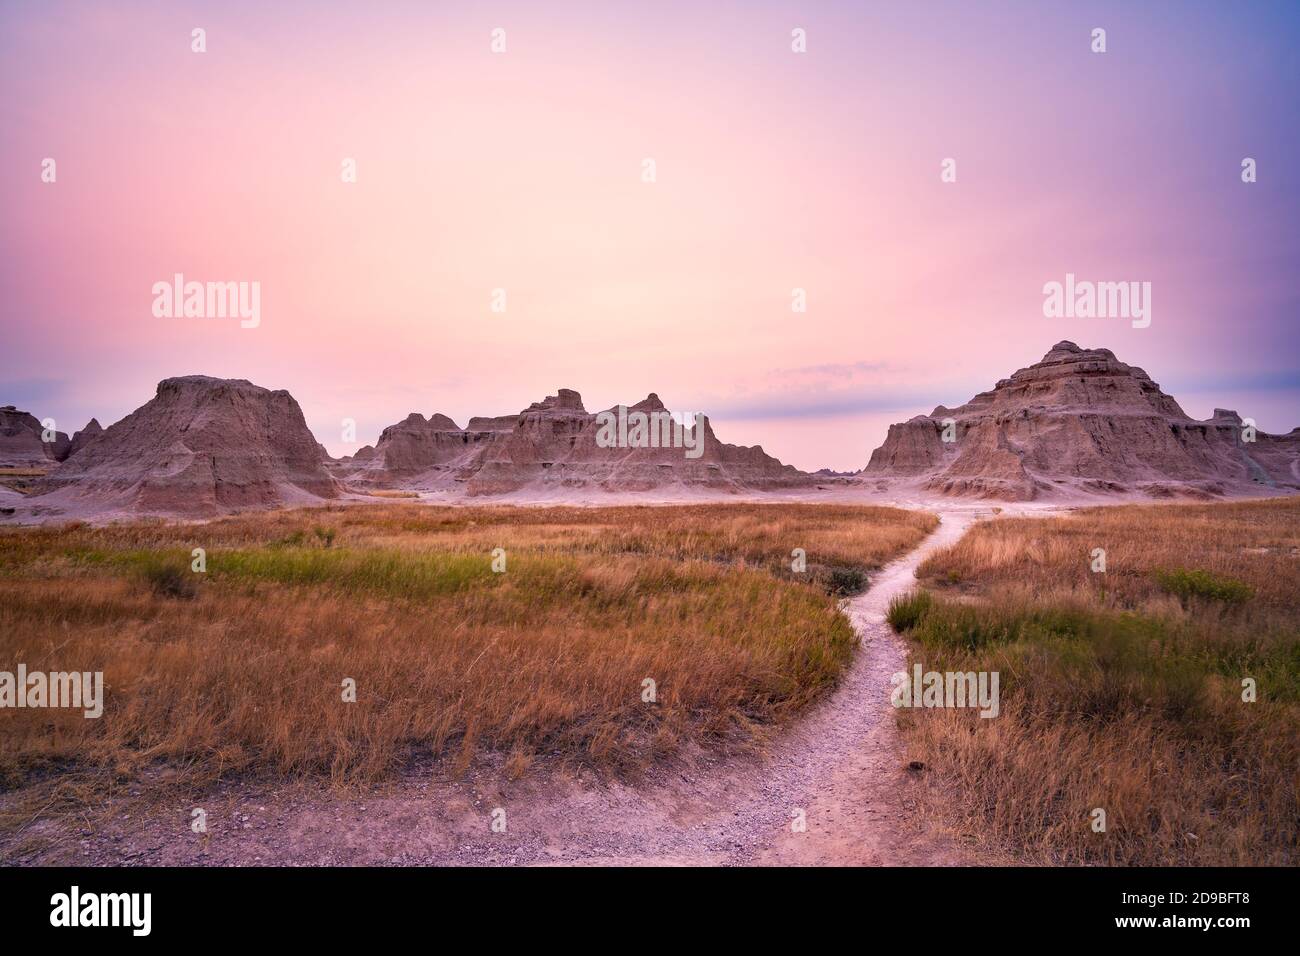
(1121, 690)
(239, 669)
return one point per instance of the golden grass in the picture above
(1121, 690)
(449, 657)
(1257, 542)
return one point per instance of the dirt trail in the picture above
(840, 764)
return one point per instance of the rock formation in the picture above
(201, 447)
(82, 438)
(1081, 421)
(557, 443)
(417, 453)
(20, 441)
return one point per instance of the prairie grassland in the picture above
(239, 670)
(1120, 690)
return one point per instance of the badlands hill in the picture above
(21, 444)
(204, 447)
(201, 447)
(557, 444)
(1081, 422)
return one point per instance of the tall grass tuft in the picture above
(907, 610)
(169, 578)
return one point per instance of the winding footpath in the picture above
(840, 765)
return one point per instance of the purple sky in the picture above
(523, 171)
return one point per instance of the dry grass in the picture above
(547, 659)
(1123, 690)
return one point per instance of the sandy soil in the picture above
(841, 764)
(60, 508)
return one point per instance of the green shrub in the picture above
(1189, 583)
(843, 580)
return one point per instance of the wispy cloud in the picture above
(824, 406)
(842, 371)
(833, 390)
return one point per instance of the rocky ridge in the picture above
(200, 448)
(1081, 422)
(556, 443)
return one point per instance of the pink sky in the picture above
(522, 171)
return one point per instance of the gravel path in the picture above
(840, 765)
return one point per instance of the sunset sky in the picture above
(522, 171)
